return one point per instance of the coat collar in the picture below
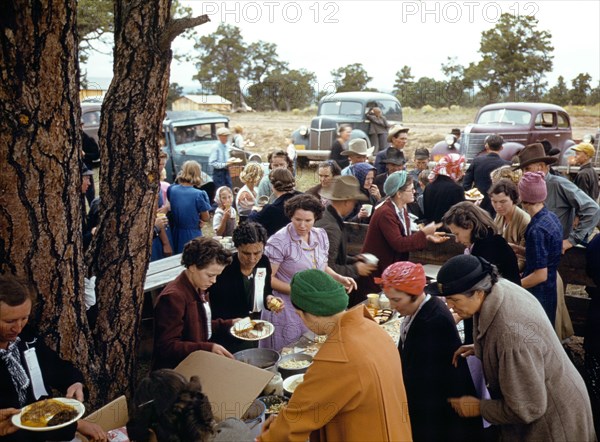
(490, 307)
(333, 349)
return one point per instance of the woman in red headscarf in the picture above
(428, 340)
(443, 191)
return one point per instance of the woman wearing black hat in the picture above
(536, 392)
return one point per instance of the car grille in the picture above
(322, 134)
(472, 144)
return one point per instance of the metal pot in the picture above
(264, 358)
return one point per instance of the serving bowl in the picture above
(273, 400)
(288, 371)
(264, 358)
(290, 384)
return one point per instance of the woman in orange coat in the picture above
(353, 390)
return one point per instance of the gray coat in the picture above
(537, 393)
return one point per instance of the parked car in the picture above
(519, 124)
(337, 109)
(90, 117)
(192, 135)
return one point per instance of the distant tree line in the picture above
(515, 58)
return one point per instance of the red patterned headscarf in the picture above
(450, 165)
(404, 276)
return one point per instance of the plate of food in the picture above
(473, 195)
(385, 315)
(252, 330)
(49, 414)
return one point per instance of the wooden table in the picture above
(162, 271)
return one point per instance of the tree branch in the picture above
(179, 26)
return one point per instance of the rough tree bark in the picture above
(40, 179)
(132, 115)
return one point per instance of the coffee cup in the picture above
(367, 208)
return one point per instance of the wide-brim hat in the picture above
(533, 153)
(358, 146)
(394, 156)
(223, 131)
(395, 130)
(343, 188)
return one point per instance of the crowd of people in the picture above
(508, 379)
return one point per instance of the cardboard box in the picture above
(230, 385)
(113, 415)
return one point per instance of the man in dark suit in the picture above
(479, 171)
(428, 340)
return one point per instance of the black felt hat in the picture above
(458, 275)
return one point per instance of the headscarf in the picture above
(394, 182)
(450, 165)
(218, 194)
(404, 276)
(361, 171)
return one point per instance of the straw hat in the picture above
(395, 130)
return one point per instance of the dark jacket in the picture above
(336, 154)
(57, 373)
(587, 180)
(430, 378)
(494, 249)
(272, 216)
(180, 326)
(338, 258)
(479, 174)
(439, 196)
(228, 299)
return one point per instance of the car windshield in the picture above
(390, 109)
(341, 108)
(504, 116)
(194, 133)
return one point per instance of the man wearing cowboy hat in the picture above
(343, 194)
(393, 163)
(397, 137)
(564, 198)
(357, 153)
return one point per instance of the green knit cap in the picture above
(315, 292)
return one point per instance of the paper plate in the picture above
(79, 407)
(252, 335)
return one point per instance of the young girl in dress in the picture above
(247, 195)
(224, 221)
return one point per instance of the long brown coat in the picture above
(353, 390)
(537, 393)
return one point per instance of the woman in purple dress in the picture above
(296, 247)
(188, 205)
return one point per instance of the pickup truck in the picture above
(314, 143)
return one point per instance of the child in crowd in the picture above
(224, 221)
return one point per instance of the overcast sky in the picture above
(385, 35)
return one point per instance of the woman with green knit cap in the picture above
(353, 390)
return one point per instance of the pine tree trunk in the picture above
(40, 179)
(132, 115)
